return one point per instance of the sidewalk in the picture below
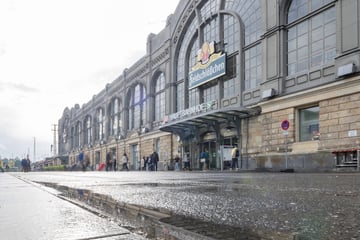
(27, 211)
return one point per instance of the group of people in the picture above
(235, 154)
(185, 161)
(111, 164)
(84, 161)
(151, 162)
(26, 164)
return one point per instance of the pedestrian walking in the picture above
(177, 162)
(145, 163)
(24, 165)
(81, 160)
(234, 158)
(186, 162)
(203, 160)
(87, 161)
(108, 162)
(125, 162)
(28, 164)
(149, 165)
(155, 160)
(114, 161)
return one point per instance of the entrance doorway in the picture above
(97, 159)
(114, 159)
(229, 142)
(210, 148)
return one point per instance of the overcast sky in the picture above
(56, 53)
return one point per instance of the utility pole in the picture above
(54, 130)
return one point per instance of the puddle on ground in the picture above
(153, 224)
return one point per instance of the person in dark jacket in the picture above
(114, 161)
(155, 160)
(108, 162)
(24, 165)
(81, 160)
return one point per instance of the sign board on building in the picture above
(209, 65)
(352, 133)
(201, 108)
(285, 125)
(226, 152)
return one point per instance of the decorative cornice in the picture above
(160, 57)
(147, 66)
(184, 19)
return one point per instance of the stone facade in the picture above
(338, 118)
(265, 83)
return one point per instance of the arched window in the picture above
(100, 124)
(235, 27)
(157, 147)
(65, 134)
(181, 86)
(137, 107)
(250, 14)
(194, 94)
(78, 134)
(311, 35)
(160, 98)
(88, 129)
(115, 117)
(232, 38)
(73, 137)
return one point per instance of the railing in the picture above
(347, 158)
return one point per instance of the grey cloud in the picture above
(11, 147)
(18, 87)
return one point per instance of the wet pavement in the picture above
(28, 211)
(220, 205)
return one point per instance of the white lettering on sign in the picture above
(204, 107)
(202, 76)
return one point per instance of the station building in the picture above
(278, 78)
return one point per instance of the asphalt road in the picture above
(302, 205)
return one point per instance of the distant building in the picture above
(51, 162)
(270, 76)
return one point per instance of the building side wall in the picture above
(339, 118)
(340, 123)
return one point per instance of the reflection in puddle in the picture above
(159, 224)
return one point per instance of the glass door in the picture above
(211, 154)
